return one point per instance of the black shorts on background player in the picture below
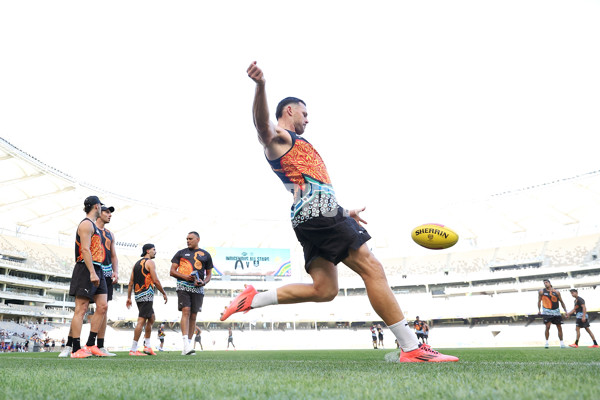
(81, 284)
(189, 299)
(109, 288)
(146, 309)
(555, 319)
(330, 237)
(581, 324)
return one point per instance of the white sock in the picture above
(147, 342)
(406, 337)
(546, 343)
(185, 340)
(562, 343)
(268, 298)
(134, 345)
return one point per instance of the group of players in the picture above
(97, 269)
(421, 330)
(549, 300)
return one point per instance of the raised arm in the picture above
(260, 109)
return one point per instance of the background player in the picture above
(582, 319)
(192, 267)
(418, 325)
(143, 281)
(548, 300)
(374, 335)
(110, 268)
(161, 336)
(86, 284)
(198, 338)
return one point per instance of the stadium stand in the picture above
(485, 283)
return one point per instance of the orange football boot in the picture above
(425, 354)
(594, 345)
(94, 350)
(136, 353)
(149, 351)
(241, 303)
(574, 345)
(81, 353)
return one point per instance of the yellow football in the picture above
(434, 236)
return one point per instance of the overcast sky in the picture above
(411, 104)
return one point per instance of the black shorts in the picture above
(162, 339)
(420, 335)
(145, 309)
(81, 285)
(581, 324)
(374, 338)
(555, 319)
(109, 287)
(330, 237)
(189, 299)
(380, 337)
(198, 339)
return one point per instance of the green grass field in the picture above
(515, 373)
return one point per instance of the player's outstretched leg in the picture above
(241, 303)
(382, 299)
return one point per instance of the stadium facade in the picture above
(490, 278)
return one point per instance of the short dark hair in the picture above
(194, 233)
(573, 290)
(285, 102)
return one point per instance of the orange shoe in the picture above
(149, 351)
(94, 350)
(425, 354)
(81, 353)
(594, 345)
(573, 345)
(241, 303)
(136, 353)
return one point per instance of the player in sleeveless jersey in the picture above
(110, 268)
(418, 325)
(328, 233)
(581, 318)
(86, 283)
(548, 308)
(143, 282)
(192, 267)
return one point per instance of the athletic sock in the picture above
(92, 339)
(100, 343)
(147, 342)
(134, 345)
(595, 343)
(268, 298)
(406, 337)
(69, 341)
(562, 343)
(185, 341)
(577, 342)
(76, 344)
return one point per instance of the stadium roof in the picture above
(38, 200)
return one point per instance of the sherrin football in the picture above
(434, 236)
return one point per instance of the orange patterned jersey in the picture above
(550, 299)
(192, 261)
(143, 285)
(303, 172)
(98, 253)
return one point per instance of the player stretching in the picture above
(328, 233)
(581, 318)
(548, 300)
(418, 325)
(142, 282)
